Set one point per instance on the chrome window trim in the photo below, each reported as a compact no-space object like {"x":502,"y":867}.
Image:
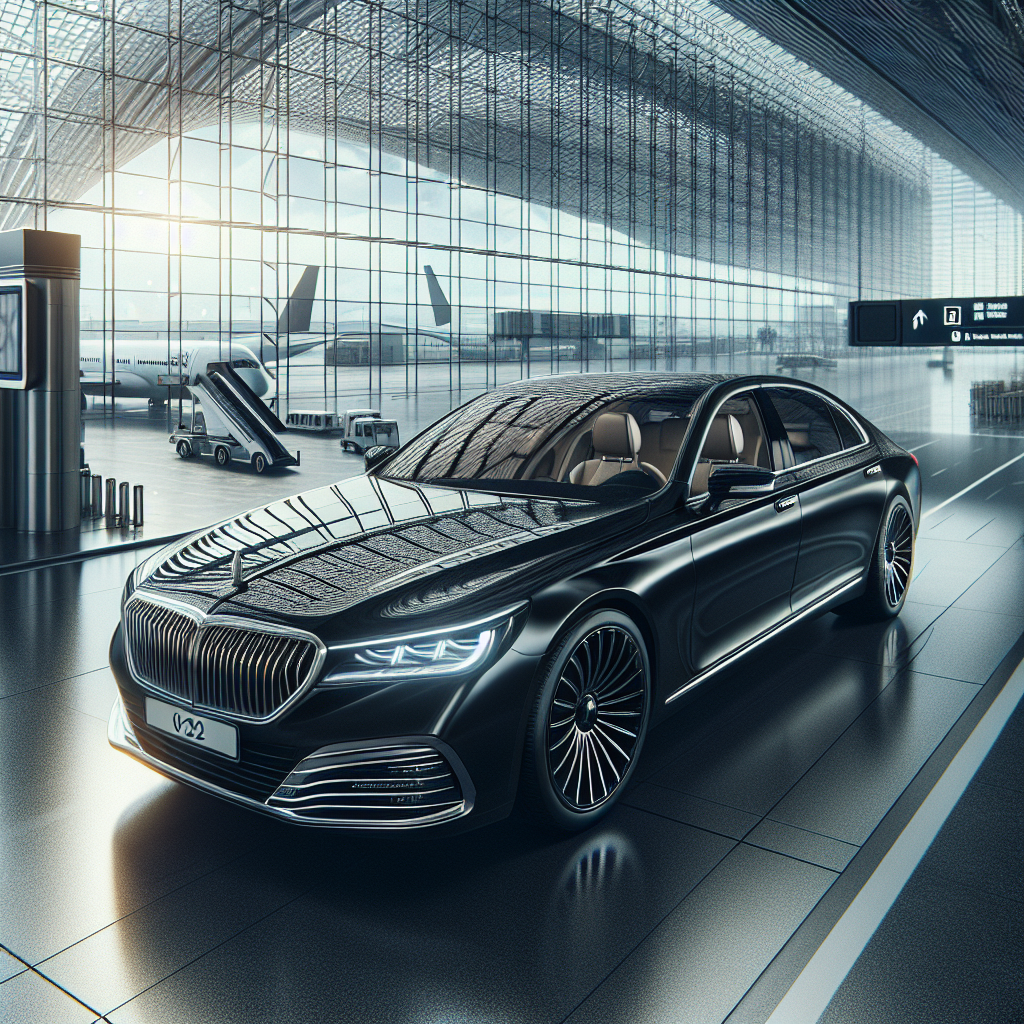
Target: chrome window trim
{"x":204,"y":621}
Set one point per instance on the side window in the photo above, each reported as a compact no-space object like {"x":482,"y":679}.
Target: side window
{"x":812,"y":433}
{"x":848,"y":433}
{"x":735,"y":435}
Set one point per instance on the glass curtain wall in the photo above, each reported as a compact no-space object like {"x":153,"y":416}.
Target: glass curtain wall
{"x":595,"y":186}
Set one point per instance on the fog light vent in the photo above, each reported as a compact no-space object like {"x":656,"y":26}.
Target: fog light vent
{"x":386,"y":787}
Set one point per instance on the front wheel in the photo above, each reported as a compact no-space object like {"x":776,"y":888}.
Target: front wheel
{"x":184,"y":450}
{"x":222,"y":455}
{"x":892,"y":564}
{"x":588,"y":721}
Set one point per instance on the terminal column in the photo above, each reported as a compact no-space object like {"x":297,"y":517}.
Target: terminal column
{"x":41,"y":423}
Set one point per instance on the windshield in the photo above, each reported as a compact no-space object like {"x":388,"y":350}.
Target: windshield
{"x":543,"y":440}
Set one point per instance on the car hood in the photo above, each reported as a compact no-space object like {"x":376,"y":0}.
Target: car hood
{"x":381,"y":554}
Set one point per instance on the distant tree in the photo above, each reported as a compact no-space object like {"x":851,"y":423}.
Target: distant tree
{"x":766,"y":336}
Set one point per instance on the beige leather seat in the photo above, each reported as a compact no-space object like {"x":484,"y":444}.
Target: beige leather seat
{"x":616,"y":443}
{"x":670,"y":440}
{"x":724,"y":443}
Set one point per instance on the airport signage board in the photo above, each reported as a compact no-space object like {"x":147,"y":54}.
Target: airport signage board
{"x":932,"y":323}
{"x":14,"y":349}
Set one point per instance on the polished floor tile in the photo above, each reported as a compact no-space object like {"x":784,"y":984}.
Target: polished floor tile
{"x":140,"y":949}
{"x":497,"y":927}
{"x":849,"y":789}
{"x":692,"y":969}
{"x":769,"y":747}
{"x":28,"y":998}
{"x":967,"y":644}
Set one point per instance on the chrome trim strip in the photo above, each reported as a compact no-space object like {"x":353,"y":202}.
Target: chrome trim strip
{"x":121,"y":737}
{"x":204,"y":621}
{"x":763,"y":637}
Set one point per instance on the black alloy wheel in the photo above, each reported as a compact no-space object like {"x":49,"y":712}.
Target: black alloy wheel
{"x":891,"y":567}
{"x":184,"y":449}
{"x":222,"y":455}
{"x":898,"y":553}
{"x":588,"y":722}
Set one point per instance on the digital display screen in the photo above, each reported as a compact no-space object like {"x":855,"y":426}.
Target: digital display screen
{"x":11,"y":314}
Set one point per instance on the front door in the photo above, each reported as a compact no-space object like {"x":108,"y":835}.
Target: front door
{"x":745,"y":554}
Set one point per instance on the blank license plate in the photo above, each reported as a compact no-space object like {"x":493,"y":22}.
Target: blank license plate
{"x":187,"y":725}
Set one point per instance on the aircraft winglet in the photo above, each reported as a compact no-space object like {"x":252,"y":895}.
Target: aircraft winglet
{"x":442,"y":309}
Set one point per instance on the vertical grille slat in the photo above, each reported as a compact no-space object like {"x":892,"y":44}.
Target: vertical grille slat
{"x":249,"y":673}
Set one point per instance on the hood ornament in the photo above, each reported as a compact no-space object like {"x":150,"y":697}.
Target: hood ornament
{"x":236,"y":573}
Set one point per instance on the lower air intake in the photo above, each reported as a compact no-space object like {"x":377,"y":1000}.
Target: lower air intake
{"x":387,"y":787}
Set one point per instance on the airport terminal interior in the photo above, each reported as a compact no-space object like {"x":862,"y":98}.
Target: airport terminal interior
{"x":321,"y":225}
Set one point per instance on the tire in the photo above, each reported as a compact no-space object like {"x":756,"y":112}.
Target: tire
{"x":184,"y":450}
{"x":892,"y":565}
{"x":576,"y":766}
{"x":259,"y":462}
{"x":222,"y":455}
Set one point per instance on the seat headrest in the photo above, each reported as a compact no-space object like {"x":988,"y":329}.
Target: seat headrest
{"x":724,"y":440}
{"x":616,"y":435}
{"x":672,"y":432}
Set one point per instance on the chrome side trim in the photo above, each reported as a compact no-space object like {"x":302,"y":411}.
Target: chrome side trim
{"x":121,"y":737}
{"x":764,"y":637}
{"x":205,"y":622}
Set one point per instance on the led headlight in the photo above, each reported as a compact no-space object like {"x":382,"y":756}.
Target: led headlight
{"x":442,"y":652}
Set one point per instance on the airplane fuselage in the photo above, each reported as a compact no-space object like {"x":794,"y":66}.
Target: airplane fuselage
{"x":143,"y":369}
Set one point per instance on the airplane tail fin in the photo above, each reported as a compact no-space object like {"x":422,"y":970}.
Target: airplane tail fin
{"x":442,"y":309}
{"x":298,"y":310}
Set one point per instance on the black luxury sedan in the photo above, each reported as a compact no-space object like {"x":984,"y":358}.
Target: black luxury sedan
{"x":503,"y":607}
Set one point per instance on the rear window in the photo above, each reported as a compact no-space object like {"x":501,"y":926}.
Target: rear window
{"x":808,"y":423}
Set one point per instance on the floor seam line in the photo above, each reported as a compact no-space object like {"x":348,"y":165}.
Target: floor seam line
{"x":217,"y":946}
{"x":652,"y":930}
{"x":139,"y":909}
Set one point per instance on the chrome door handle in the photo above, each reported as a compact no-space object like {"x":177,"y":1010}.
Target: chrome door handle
{"x":784,"y":503}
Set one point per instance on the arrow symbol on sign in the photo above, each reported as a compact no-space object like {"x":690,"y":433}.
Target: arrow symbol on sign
{"x":919,"y":318}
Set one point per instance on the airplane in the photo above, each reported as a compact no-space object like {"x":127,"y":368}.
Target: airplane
{"x":143,"y":368}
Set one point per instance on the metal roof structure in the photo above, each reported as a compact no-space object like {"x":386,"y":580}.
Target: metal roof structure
{"x":952,"y":74}
{"x":498,"y":96}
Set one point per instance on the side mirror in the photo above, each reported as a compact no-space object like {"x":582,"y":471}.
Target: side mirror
{"x":736,"y":480}
{"x":376,"y":455}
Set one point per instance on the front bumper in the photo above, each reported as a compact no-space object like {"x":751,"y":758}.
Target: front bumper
{"x":386,"y":784}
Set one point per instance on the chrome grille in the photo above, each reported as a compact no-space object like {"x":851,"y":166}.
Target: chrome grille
{"x":388,"y":786}
{"x":249,"y":673}
{"x":159,"y":641}
{"x":241,"y":670}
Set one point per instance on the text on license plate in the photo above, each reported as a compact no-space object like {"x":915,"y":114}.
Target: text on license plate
{"x":187,"y":725}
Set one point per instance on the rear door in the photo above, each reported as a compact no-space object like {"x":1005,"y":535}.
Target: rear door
{"x":840,"y":498}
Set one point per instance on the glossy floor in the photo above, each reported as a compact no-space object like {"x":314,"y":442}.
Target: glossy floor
{"x":127,"y":896}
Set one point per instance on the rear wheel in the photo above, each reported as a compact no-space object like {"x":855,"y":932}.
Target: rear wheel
{"x":259,"y":462}
{"x":184,"y":450}
{"x":892,"y":564}
{"x":222,"y":455}
{"x":588,"y":721}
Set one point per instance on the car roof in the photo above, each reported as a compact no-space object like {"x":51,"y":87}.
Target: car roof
{"x":588,"y":386}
